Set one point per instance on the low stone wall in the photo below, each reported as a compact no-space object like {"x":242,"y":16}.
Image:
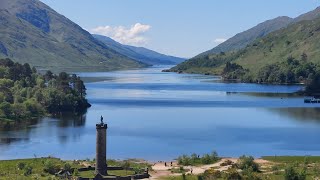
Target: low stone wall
{"x":137,"y":176}
{"x":110,"y":168}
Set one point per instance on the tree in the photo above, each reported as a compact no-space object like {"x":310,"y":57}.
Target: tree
{"x":48,"y":76}
{"x":314,"y":86}
{"x":304,"y":57}
{"x":6,"y":108}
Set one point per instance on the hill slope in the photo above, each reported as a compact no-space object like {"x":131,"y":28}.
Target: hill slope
{"x":242,"y":39}
{"x":308,"y":16}
{"x":31,"y":32}
{"x":298,"y":41}
{"x":139,"y":53}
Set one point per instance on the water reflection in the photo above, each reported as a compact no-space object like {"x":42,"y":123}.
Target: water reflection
{"x":311,"y":114}
{"x":71,"y":119}
{"x":22,"y":132}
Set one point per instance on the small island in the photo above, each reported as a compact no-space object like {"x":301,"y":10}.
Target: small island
{"x":26,"y":94}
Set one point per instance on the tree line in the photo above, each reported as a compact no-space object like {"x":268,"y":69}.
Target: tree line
{"x":291,"y":71}
{"x":25,"y":93}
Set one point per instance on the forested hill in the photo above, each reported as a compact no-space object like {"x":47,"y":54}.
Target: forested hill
{"x":25,"y":94}
{"x":31,"y":32}
{"x":299,"y":41}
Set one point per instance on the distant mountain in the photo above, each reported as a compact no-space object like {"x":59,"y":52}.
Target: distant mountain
{"x":308,"y":16}
{"x":242,"y":39}
{"x":139,"y":53}
{"x":299,"y":40}
{"x":32,"y":32}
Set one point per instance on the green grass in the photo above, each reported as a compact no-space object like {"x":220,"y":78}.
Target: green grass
{"x":9,"y":169}
{"x":292,"y":159}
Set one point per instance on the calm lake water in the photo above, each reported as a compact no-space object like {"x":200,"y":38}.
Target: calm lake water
{"x":159,"y":116}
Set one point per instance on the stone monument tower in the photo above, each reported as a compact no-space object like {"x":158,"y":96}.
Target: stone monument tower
{"x":101,"y":148}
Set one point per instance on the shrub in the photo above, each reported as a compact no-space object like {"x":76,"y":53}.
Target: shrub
{"x":195,"y":159}
{"x":75,"y":172}
{"x":184,"y":160}
{"x":226,"y":163}
{"x":50,"y":167}
{"x":27,"y":170}
{"x":249,"y":174}
{"x":21,"y":165}
{"x":212,"y":174}
{"x":246,"y":162}
{"x":67,"y":167}
{"x":232,"y":174}
{"x":316,"y":170}
{"x":275,"y":169}
{"x":291,"y":173}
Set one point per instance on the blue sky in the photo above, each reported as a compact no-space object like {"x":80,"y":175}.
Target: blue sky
{"x":182,"y":28}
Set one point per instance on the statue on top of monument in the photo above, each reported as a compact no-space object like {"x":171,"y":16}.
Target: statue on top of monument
{"x":101,"y":119}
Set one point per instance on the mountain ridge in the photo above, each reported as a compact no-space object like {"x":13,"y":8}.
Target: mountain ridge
{"x":244,"y":38}
{"x":32,"y":32}
{"x":139,"y":53}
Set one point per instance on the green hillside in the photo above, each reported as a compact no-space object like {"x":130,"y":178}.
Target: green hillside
{"x":299,"y":41}
{"x":241,"y":40}
{"x":31,"y":32}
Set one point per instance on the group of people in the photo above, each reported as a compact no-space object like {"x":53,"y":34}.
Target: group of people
{"x":171,"y":164}
{"x":165,"y":164}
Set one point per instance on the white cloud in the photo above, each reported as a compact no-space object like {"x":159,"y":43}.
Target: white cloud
{"x":135,"y":35}
{"x":219,"y":40}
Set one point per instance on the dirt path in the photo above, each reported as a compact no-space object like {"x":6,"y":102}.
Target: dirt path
{"x":160,"y":170}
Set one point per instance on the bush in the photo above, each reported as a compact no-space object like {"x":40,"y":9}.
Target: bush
{"x":184,"y":160}
{"x":226,"y":163}
{"x":75,"y":172}
{"x":50,"y":167}
{"x":195,"y":159}
{"x":21,"y":165}
{"x":67,"y":167}
{"x":212,"y":174}
{"x":291,"y":173}
{"x":232,"y":174}
{"x":316,"y":170}
{"x":27,"y":170}
{"x":249,"y":174}
{"x":275,"y":169}
{"x":246,"y":162}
